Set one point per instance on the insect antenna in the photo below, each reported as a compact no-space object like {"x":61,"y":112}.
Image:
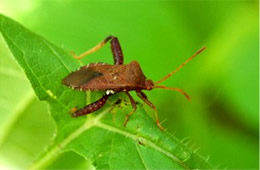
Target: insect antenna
{"x":176,"y":70}
{"x":182,"y":65}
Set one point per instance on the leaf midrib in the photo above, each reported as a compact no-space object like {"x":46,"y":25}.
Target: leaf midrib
{"x":95,"y":122}
{"x":143,"y":139}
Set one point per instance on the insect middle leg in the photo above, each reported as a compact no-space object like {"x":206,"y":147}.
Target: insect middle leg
{"x":91,"y":107}
{"x":115,"y":47}
{"x":134,"y":108}
{"x":145,"y":99}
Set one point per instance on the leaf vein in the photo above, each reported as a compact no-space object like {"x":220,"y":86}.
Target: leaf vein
{"x":146,"y":141}
{"x":55,"y":53}
{"x":139,"y":153}
{"x":30,"y":70}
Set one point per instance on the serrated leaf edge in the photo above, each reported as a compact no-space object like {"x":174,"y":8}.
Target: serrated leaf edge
{"x":51,"y":155}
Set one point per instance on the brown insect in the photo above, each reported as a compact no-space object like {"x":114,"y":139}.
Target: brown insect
{"x":116,"y":78}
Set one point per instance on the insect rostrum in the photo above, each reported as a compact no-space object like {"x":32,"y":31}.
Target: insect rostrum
{"x":116,"y":78}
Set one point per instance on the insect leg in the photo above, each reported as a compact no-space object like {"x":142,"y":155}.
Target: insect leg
{"x":91,"y":107}
{"x":133,"y":105}
{"x":94,"y":49}
{"x":117,"y":51}
{"x":145,"y":99}
{"x":115,"y":47}
{"x":174,"y":89}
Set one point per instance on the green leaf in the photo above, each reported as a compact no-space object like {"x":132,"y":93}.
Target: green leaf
{"x":11,"y":77}
{"x":100,"y":137}
{"x":20,"y":111}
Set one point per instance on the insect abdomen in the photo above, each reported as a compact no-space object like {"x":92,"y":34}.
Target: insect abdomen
{"x":91,"y":107}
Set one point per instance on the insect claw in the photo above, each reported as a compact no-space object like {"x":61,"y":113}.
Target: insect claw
{"x":73,"y":110}
{"x":159,"y":126}
{"x":74,"y":54}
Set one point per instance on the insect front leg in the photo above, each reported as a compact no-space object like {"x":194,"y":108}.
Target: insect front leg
{"x":115,"y":47}
{"x":134,"y":108}
{"x":145,"y":99}
{"x":91,"y":107}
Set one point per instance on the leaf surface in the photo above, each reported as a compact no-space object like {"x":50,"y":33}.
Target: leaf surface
{"x":22,"y":117}
{"x":100,"y":137}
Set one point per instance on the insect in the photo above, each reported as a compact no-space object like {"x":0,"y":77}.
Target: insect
{"x":116,"y":78}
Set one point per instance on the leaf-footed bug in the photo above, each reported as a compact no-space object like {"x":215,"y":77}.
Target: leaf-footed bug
{"x":117,"y":78}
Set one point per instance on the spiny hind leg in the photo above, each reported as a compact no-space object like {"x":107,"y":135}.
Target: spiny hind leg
{"x":91,"y":107}
{"x":115,"y":47}
{"x":145,"y":99}
{"x":134,"y":108}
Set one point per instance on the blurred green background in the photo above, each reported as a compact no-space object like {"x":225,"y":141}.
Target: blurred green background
{"x":223,"y":81}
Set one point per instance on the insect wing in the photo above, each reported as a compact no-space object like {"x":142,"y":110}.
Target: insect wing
{"x":80,"y":77}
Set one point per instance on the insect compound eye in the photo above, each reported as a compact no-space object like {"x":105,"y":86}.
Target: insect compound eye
{"x":108,"y":92}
